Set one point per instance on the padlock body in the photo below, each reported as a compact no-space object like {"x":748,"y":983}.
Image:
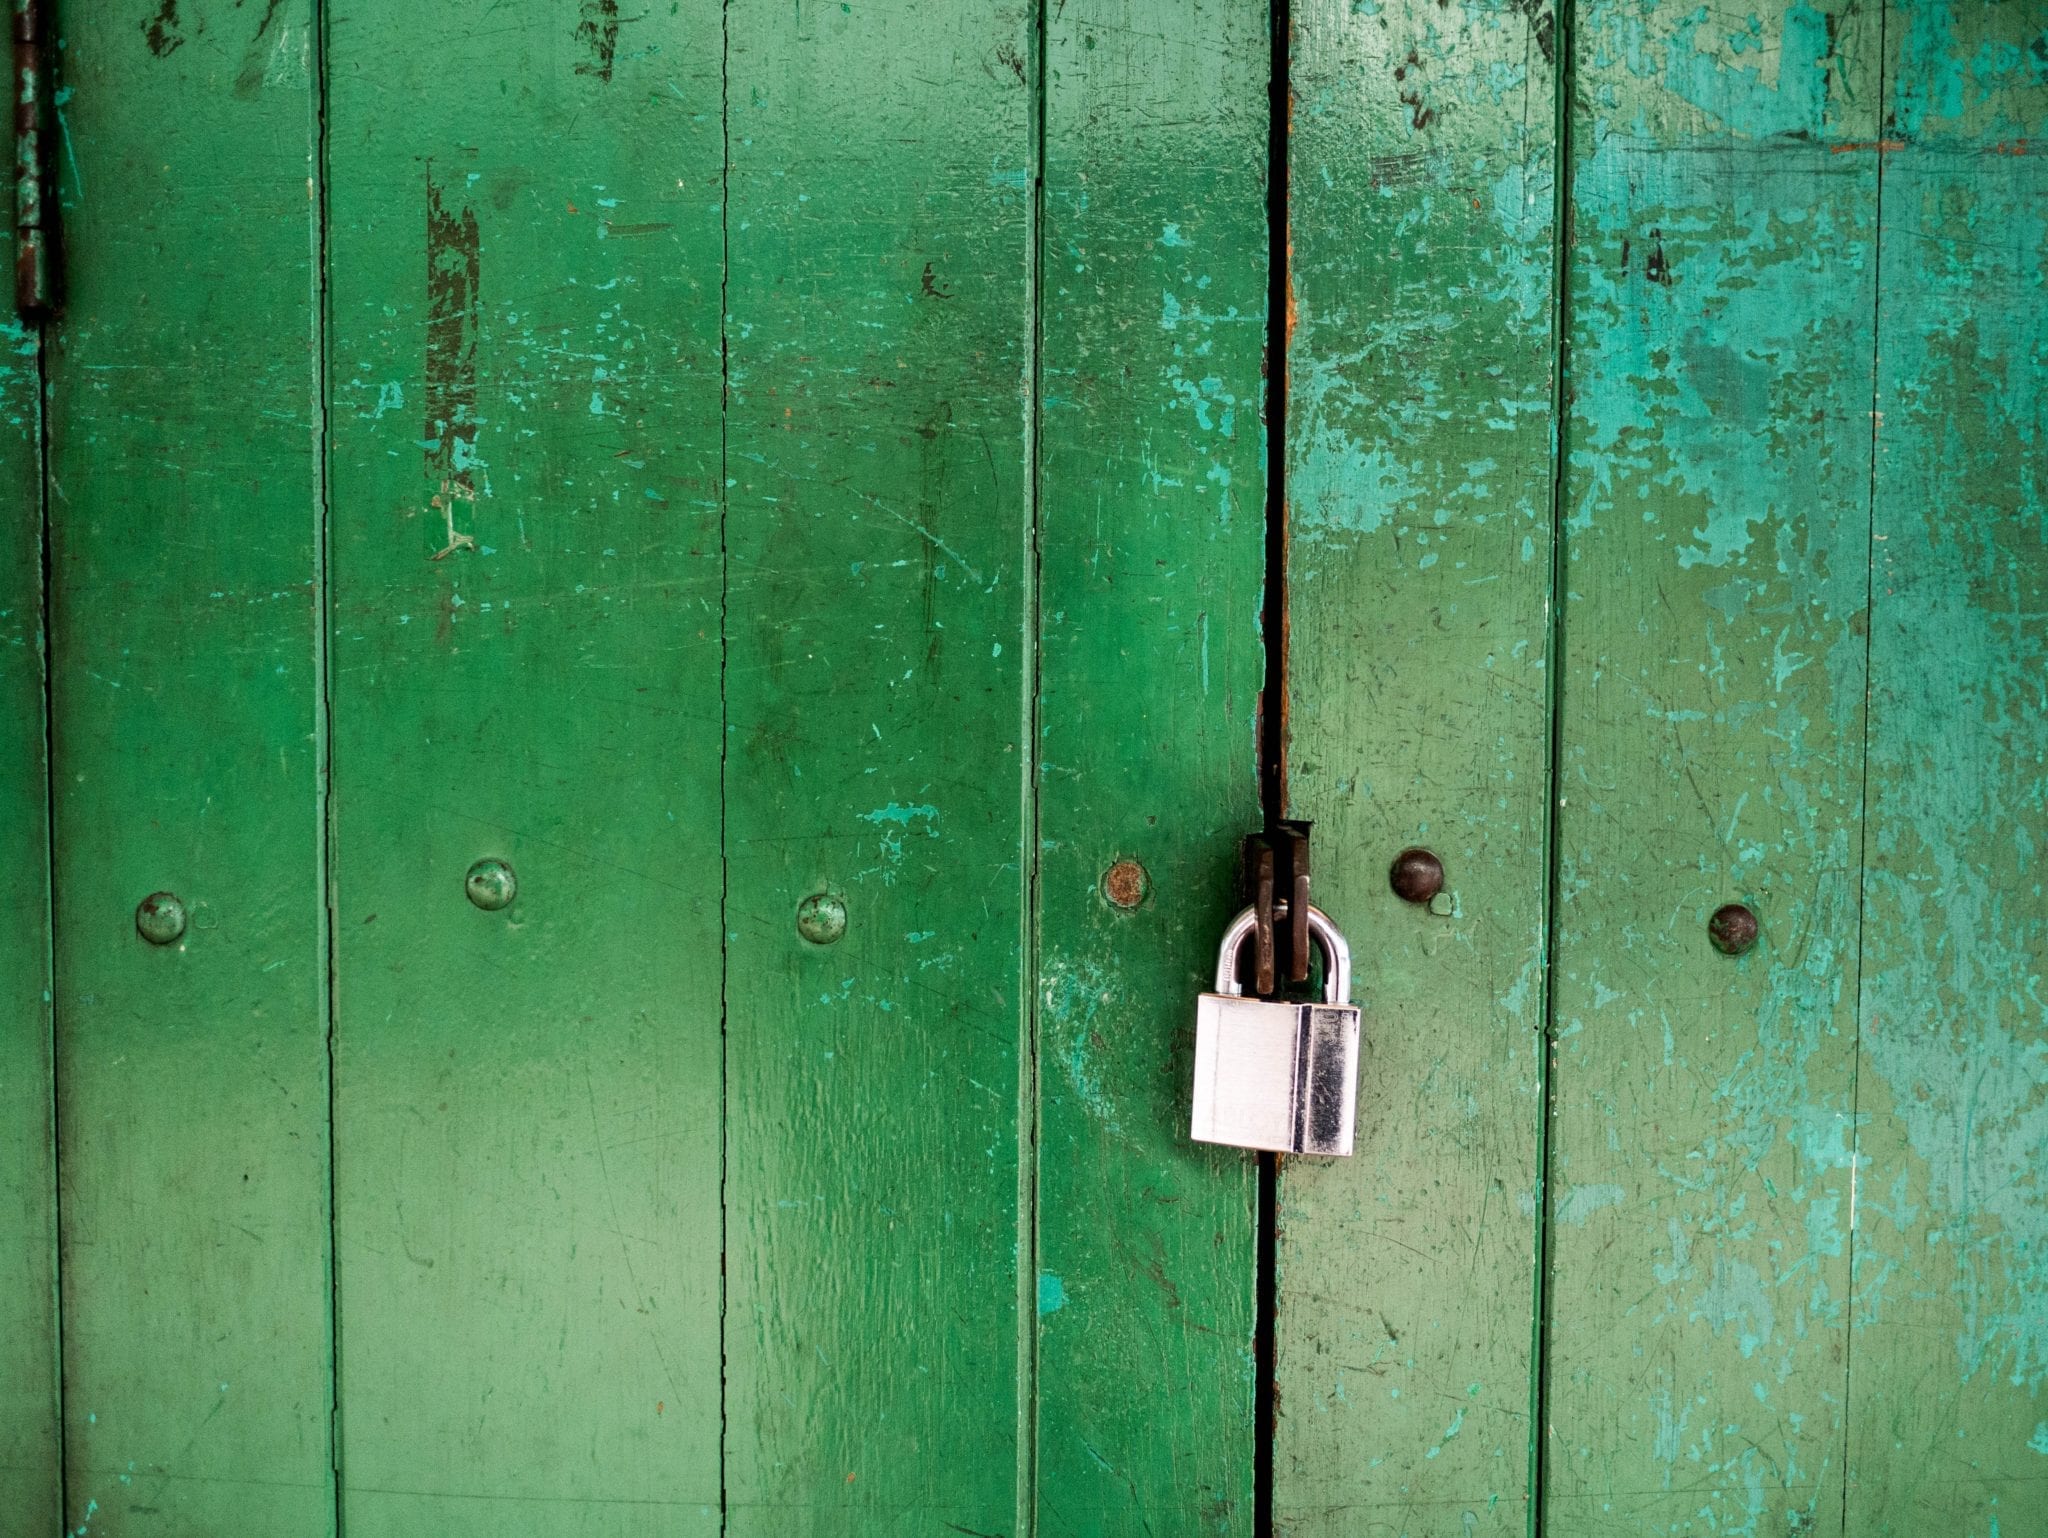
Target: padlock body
{"x":1275,"y":1076}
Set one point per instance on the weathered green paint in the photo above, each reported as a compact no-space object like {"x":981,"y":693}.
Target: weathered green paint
{"x":1716,"y":494}
{"x":791,"y":522}
{"x":1152,"y":494}
{"x":192,"y":1078}
{"x":524,"y":397}
{"x":1948,"y":1349}
{"x":878,"y":566}
{"x":1419,"y":403}
{"x":28,"y":1219}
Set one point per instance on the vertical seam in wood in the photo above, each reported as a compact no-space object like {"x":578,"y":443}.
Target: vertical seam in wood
{"x":1271,"y":766}
{"x":1033,"y":683}
{"x":1863,"y":766}
{"x":53,"y":1124}
{"x":1272,"y":747}
{"x":323,"y":749}
{"x":724,"y":723}
{"x":1560,"y":407}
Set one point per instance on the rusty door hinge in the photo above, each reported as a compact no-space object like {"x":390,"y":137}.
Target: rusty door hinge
{"x":35,"y":281}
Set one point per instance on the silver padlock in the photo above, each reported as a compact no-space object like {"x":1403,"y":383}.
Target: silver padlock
{"x":1278,"y":1076}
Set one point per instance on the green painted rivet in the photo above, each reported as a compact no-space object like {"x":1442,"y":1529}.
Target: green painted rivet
{"x":821,"y":918}
{"x":1733,"y":929}
{"x":1125,"y":884}
{"x":491,"y":885}
{"x":160,"y":918}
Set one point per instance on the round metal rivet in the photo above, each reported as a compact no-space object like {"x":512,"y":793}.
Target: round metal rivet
{"x":1125,"y":884}
{"x":160,"y":918}
{"x":1733,"y":929}
{"x":821,"y":918}
{"x":491,"y":885}
{"x":1416,"y":875}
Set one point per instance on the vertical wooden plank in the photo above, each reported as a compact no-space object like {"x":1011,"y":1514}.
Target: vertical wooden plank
{"x":29,"y":1463}
{"x":1421,"y":200}
{"x":1716,"y":514}
{"x":1152,"y":498}
{"x":183,"y":416}
{"x":526,"y":270}
{"x":878,"y":339}
{"x":1948,"y":1422}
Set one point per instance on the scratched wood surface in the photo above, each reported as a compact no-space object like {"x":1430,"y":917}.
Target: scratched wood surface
{"x":1419,"y":389}
{"x":1716,"y":491}
{"x":29,"y":1483}
{"x":183,"y":601}
{"x":1948,"y":1423}
{"x":877,"y":657}
{"x":524,"y":380}
{"x":1150,"y":659}
{"x":697,"y":545}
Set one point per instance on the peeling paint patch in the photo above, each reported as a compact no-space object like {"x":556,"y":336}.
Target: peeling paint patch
{"x":454,"y":319}
{"x":597,"y":29}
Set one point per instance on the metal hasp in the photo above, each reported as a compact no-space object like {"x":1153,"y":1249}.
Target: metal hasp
{"x":1275,"y":867}
{"x":35,"y":289}
{"x":1277,"y":1075}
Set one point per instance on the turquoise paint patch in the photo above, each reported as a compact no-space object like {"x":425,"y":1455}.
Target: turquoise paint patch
{"x":1929,"y":80}
{"x":901,"y":815}
{"x":1785,"y":92}
{"x":1736,"y":1298}
{"x":1073,"y":997}
{"x":1052,"y":1293}
{"x":1581,"y":1202}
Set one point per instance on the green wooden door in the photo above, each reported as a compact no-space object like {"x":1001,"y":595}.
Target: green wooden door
{"x":1663,"y":466}
{"x":593,"y":595}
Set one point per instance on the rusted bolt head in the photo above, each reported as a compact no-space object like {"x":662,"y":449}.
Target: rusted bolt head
{"x":821,"y":918}
{"x":1733,"y":929}
{"x":1125,"y":884}
{"x":1416,"y":875}
{"x":160,"y":918}
{"x":491,"y":885}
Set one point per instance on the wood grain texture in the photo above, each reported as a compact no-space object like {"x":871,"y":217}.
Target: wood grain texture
{"x":1948,"y":1422}
{"x":525,"y":385}
{"x":877,"y":654}
{"x":1717,"y":485}
{"x":1152,"y":495}
{"x":1419,"y":427}
{"x":30,"y":1500}
{"x":184,"y":520}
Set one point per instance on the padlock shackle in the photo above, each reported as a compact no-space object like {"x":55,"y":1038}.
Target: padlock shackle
{"x":1336,"y":955}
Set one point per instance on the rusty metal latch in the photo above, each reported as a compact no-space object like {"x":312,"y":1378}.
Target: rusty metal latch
{"x":1276,"y":889}
{"x":35,"y":284}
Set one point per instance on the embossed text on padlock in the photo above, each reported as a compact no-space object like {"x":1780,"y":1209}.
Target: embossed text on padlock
{"x":1278,"y":1076}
